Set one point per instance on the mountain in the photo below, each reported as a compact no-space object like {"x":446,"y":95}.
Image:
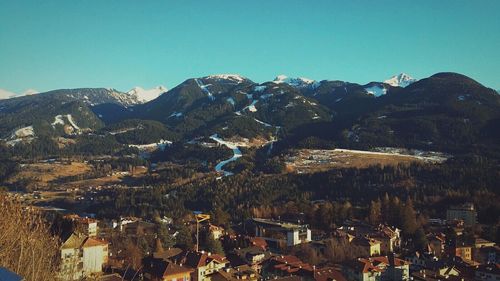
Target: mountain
{"x":401,"y":80}
{"x":70,"y":108}
{"x":231,"y":106}
{"x":142,"y":95}
{"x":447,"y":112}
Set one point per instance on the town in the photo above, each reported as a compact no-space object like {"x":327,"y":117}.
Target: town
{"x":196,"y":248}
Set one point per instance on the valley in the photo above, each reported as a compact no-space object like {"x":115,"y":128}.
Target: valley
{"x":326,"y":153}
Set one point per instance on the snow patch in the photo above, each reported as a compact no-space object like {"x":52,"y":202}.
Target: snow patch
{"x":175,"y":114}
{"x":204,"y":88}
{"x":376,"y":90}
{"x":72,"y":122}
{"x":232,"y":77}
{"x":259,"y":88}
{"x":299,"y":82}
{"x":231,"y":101}
{"x":236,"y":154}
{"x":143,"y":95}
{"x":58,"y":119}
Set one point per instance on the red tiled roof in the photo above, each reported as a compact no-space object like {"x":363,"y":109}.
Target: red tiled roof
{"x":199,"y":259}
{"x":91,"y":242}
{"x":328,"y":273}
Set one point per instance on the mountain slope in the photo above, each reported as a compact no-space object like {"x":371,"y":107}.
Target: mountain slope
{"x":142,"y":95}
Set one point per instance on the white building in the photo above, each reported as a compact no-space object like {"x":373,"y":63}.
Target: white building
{"x":281,"y":233}
{"x":82,"y":256}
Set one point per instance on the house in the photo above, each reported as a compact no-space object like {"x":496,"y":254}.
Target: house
{"x":429,"y":275}
{"x":286,"y":265}
{"x":487,"y":254}
{"x":203,"y":264}
{"x":7,"y":275}
{"x":281,"y":234}
{"x":465,"y":213}
{"x":437,"y":243}
{"x":243,"y":272}
{"x":157,"y":269}
{"x":426,"y":260}
{"x":87,"y":226}
{"x":216,"y":231}
{"x":366,"y":247}
{"x":488,"y":272}
{"x":463,"y":251}
{"x":480,"y":242}
{"x":389,"y":238}
{"x":377,"y":268}
{"x":283,"y":266}
{"x":328,"y":274}
{"x":82,"y":256}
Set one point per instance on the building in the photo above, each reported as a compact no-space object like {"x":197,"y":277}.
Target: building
{"x":488,"y":272}
{"x":203,"y":264}
{"x":366,"y":247}
{"x":243,"y":272}
{"x":429,"y":275}
{"x":216,"y":231}
{"x":328,"y":274}
{"x":487,"y":254}
{"x":465,"y":213}
{"x":87,"y":226}
{"x":82,"y":256}
{"x":462,"y":251}
{"x":377,"y":268}
{"x":157,"y":269}
{"x":281,"y":234}
{"x":389,"y":238}
{"x":437,"y":243}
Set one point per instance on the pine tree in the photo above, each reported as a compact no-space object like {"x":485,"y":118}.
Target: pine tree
{"x":408,"y":218}
{"x":214,"y":246}
{"x":375,"y":212}
{"x":184,"y":238}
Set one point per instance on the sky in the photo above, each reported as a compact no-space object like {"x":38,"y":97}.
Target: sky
{"x":48,"y":44}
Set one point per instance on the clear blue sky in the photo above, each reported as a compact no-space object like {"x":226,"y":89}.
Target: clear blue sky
{"x":123,"y":43}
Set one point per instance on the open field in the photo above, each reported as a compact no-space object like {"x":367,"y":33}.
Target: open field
{"x":314,"y":160}
{"x":43,"y":173}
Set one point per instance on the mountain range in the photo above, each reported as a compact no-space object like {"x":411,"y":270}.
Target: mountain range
{"x":446,"y":111}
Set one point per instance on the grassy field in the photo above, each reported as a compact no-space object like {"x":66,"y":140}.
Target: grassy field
{"x":43,"y":173}
{"x":315,"y":160}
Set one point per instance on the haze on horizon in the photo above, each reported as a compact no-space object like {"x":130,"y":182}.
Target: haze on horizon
{"x":121,"y":44}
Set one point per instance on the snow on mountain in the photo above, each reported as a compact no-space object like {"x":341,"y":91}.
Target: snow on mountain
{"x":143,"y":95}
{"x":232,"y":77}
{"x":4,"y":94}
{"x":376,"y":90}
{"x":30,"y":92}
{"x":294,"y":82}
{"x":402,"y":80}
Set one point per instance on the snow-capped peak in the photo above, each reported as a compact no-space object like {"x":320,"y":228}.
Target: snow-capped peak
{"x":4,"y":94}
{"x":402,"y":80}
{"x":294,"y":82}
{"x":233,"y":77}
{"x":143,"y":95}
{"x":30,"y":92}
